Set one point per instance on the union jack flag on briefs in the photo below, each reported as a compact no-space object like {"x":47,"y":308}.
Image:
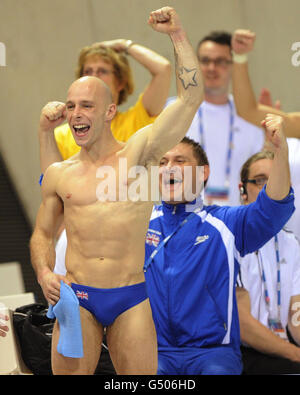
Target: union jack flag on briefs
{"x":82,"y":295}
{"x":152,"y":239}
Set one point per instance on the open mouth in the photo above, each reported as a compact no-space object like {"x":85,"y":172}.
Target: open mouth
{"x":173,"y":181}
{"x":171,"y":188}
{"x":81,"y":130}
{"x":169,"y":181}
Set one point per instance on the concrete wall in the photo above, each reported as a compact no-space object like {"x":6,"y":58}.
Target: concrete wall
{"x":43,"y":38}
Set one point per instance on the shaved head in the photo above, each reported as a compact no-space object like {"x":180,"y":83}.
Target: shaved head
{"x":90,"y":110}
{"x":92,"y":85}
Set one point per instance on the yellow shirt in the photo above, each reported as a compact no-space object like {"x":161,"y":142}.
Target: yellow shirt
{"x":123,"y":126}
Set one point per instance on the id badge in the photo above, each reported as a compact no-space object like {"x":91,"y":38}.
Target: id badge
{"x":216,"y":195}
{"x":277,"y":328}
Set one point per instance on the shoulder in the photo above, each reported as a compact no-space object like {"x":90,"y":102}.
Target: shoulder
{"x":54,"y":170}
{"x":54,"y":173}
{"x":228,"y":220}
{"x":223,"y":212}
{"x":218,"y":216}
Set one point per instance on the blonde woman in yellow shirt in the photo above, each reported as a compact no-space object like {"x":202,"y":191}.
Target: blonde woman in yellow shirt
{"x":108,"y":61}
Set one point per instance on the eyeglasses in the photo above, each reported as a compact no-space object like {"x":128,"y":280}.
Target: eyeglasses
{"x":259,"y":181}
{"x":218,"y":62}
{"x":99,"y":72}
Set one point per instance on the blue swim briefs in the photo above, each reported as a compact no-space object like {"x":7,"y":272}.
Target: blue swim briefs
{"x":106,"y":304}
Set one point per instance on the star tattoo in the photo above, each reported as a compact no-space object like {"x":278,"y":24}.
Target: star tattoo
{"x":187,"y":77}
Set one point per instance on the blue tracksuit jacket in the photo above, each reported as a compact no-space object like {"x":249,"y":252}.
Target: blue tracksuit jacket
{"x":191,"y":280}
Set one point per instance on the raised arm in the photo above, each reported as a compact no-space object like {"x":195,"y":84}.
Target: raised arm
{"x":172,"y":124}
{"x":256,"y":223}
{"x":279,"y":182}
{"x":42,"y":246}
{"x":157,"y":91}
{"x":53,"y":115}
{"x":245,"y":100}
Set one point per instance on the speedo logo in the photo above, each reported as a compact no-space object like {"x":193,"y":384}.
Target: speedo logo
{"x":201,"y":239}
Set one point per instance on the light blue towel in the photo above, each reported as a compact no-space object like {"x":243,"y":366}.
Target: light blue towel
{"x":67,"y":313}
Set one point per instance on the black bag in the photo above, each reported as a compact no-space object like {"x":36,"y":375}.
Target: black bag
{"x":34,"y":331}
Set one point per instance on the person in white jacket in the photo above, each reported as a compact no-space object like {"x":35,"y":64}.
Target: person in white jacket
{"x":269,"y":290}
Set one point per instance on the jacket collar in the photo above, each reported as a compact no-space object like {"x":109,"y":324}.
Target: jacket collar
{"x":182,"y":209}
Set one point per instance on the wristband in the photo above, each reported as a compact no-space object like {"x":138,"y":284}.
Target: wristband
{"x":129,"y":43}
{"x":239,"y":58}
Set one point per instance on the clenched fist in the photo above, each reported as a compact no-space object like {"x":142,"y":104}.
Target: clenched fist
{"x":273,"y":125}
{"x":52,"y":115}
{"x":165,"y":20}
{"x":242,"y":41}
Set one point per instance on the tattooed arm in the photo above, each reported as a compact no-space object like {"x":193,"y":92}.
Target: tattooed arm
{"x":172,"y":124}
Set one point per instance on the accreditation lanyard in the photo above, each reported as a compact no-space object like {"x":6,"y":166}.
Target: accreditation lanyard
{"x":166,"y":239}
{"x":278,"y":281}
{"x":230,"y":142}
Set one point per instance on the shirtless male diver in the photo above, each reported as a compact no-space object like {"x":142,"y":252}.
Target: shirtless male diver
{"x":106,"y":240}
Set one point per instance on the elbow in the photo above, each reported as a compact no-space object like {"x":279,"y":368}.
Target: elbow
{"x":165,"y":71}
{"x":163,"y":68}
{"x":166,"y":66}
{"x":40,"y":237}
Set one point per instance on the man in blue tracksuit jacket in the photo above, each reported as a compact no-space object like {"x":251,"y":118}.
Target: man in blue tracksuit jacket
{"x":192,"y":261}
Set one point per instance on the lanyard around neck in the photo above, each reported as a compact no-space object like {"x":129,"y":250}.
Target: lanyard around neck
{"x":230,"y":142}
{"x":278,"y":280}
{"x":166,"y":239}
